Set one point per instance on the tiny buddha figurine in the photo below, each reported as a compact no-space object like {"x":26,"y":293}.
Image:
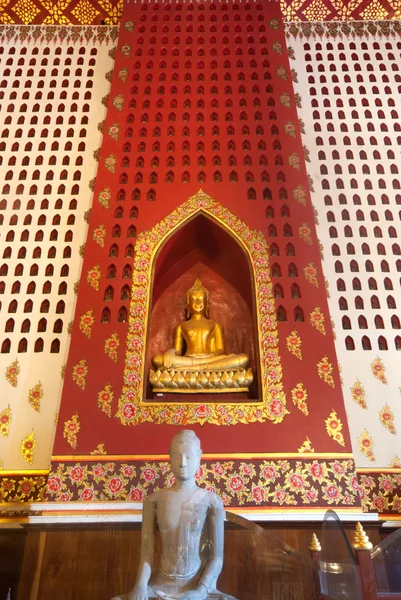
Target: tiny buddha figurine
{"x":182,"y":513}
{"x":197,"y":362}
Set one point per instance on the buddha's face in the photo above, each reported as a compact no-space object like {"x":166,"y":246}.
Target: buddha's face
{"x":197,"y":303}
{"x":185,"y":460}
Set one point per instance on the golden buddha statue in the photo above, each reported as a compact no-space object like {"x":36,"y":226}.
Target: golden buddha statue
{"x":198,"y":361}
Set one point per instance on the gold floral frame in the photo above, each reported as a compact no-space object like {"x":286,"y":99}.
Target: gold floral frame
{"x":132,"y":409}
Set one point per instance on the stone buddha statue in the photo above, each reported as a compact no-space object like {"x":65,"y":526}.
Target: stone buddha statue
{"x":197,"y":359}
{"x":184,"y":513}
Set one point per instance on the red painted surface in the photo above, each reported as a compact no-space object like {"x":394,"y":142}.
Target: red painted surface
{"x":224,"y":274}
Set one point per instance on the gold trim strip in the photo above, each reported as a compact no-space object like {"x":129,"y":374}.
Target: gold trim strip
{"x":301,"y":509}
{"x":378,"y":470}
{"x":239,"y":456}
{"x":24,"y":473}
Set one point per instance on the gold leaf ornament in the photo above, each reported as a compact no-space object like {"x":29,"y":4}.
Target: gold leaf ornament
{"x":358,"y":394}
{"x":105,"y":399}
{"x":71,"y":429}
{"x":28,"y":446}
{"x":35,"y":396}
{"x":79,"y":373}
{"x":12,"y":373}
{"x":5,"y":421}
{"x":294,"y":344}
{"x":378,"y":370}
{"x":365,"y":443}
{"x":334,"y":427}
{"x":111,"y":346}
{"x":299,"y":397}
{"x":86,"y":322}
{"x":386,"y":417}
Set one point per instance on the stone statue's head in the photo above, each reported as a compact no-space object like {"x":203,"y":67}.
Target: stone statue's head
{"x":185,"y":454}
{"x":197,"y":300}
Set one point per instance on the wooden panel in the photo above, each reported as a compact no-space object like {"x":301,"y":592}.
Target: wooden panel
{"x":12,"y":543}
{"x":100,"y":562}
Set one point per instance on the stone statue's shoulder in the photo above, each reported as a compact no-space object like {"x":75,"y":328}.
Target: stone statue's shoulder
{"x":155,"y":497}
{"x":215,"y":501}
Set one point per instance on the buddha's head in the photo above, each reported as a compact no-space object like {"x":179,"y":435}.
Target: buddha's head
{"x":185,"y":454}
{"x":197,"y":300}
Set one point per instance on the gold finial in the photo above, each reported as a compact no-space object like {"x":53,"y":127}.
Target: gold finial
{"x":361,"y":540}
{"x":314,"y":544}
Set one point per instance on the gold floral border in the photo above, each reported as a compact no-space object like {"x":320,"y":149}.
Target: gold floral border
{"x":132,"y":409}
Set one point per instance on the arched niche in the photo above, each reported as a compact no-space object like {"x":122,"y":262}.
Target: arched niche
{"x":203,"y":247}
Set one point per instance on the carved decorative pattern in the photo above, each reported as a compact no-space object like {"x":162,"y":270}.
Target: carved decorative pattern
{"x":325,"y":370}
{"x":5,"y":421}
{"x":358,"y":394}
{"x":111,"y":346}
{"x":365,"y":442}
{"x":79,"y":373}
{"x":12,"y":373}
{"x":71,"y":430}
{"x":132,"y":410}
{"x":317,"y":320}
{"x":28,"y":446}
{"x":294,"y":344}
{"x":35,"y":395}
{"x":86,"y":323}
{"x":334,"y":427}
{"x":105,"y":399}
{"x":271,"y":483}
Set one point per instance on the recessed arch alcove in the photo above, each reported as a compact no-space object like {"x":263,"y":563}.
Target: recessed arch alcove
{"x":203,"y":247}
{"x":235,"y":258}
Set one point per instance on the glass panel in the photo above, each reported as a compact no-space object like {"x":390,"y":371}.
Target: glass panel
{"x":265,"y":568}
{"x":338,"y":568}
{"x":386,"y":558}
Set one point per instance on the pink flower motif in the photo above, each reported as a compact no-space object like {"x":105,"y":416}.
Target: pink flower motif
{"x":54,"y":484}
{"x":280,"y":496}
{"x":316,"y":470}
{"x":128,"y":411}
{"x":257,"y":246}
{"x":354,"y":483}
{"x":236,"y":484}
{"x":144,"y":247}
{"x":311,"y":495}
{"x":64,"y":497}
{"x":296,"y":481}
{"x":202,"y":411}
{"x":397,"y":505}
{"x":149,"y":474}
{"x":77,"y":473}
{"x":128,"y":471}
{"x":98,"y":471}
{"x":332,"y":491}
{"x":276,"y":407}
{"x":210,"y":488}
{"x":338,"y":468}
{"x":87,"y":494}
{"x":136,"y":495}
{"x":115,"y":485}
{"x":247,"y":469}
{"x":387,"y":485}
{"x":200,"y":473}
{"x":379,"y":503}
{"x":258,"y":494}
{"x":218,"y":469}
{"x":269,"y":472}
{"x":170,"y":480}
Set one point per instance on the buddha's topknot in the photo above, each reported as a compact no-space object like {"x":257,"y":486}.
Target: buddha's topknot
{"x":188,"y":436}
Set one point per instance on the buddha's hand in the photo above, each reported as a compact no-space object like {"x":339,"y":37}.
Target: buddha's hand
{"x":168,"y":358}
{"x":139,"y":593}
{"x":199,"y":593}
